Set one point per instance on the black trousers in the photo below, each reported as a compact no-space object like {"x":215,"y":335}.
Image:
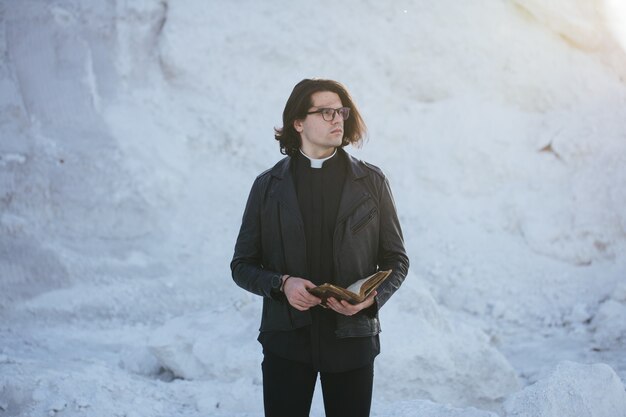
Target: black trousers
{"x":288,"y":389}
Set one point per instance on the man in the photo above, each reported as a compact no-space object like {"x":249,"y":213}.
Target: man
{"x":319,"y":215}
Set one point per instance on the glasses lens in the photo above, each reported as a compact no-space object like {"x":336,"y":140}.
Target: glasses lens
{"x":328,"y":114}
{"x":344,"y":112}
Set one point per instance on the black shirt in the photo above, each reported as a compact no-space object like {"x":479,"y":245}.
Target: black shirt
{"x":319,"y":193}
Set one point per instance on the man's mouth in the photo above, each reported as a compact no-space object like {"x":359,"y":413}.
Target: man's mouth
{"x":337,"y":130}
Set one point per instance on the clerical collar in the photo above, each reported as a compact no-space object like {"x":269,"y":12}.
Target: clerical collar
{"x":317,"y":163}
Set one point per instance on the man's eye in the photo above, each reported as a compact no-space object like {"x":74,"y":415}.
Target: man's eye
{"x":328,"y":112}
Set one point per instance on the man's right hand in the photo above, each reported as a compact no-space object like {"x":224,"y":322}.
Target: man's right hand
{"x":295,"y":290}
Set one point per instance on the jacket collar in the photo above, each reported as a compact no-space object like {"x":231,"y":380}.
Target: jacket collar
{"x":355,"y":167}
{"x":353,"y":191}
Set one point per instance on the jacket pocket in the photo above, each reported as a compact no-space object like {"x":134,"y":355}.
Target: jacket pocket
{"x":357,"y":326}
{"x":361,"y":223}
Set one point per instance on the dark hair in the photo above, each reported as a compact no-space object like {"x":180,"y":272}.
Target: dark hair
{"x":299,"y":103}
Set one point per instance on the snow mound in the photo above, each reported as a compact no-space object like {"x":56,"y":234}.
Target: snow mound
{"x":21,"y":277}
{"x":573,"y":389}
{"x":588,"y":25}
{"x":132,"y":130}
{"x":434,"y":357}
{"x":609,"y":323}
{"x":97,"y":390}
{"x":216,"y":345}
{"x":428,"y":354}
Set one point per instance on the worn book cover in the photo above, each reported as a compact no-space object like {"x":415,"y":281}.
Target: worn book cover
{"x":355,"y":293}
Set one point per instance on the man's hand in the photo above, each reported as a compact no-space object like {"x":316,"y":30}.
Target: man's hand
{"x":295,"y":290}
{"x":347,"y":309}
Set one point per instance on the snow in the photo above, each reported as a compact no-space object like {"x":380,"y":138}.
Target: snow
{"x":131,"y":131}
{"x":572,"y":389}
{"x":605,"y":323}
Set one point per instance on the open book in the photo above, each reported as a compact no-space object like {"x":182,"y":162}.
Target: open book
{"x":355,"y":293}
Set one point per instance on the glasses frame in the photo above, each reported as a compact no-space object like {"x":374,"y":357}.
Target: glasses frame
{"x":335,"y":112}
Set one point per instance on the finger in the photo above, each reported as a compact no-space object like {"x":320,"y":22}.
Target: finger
{"x":341,"y":304}
{"x":372,"y":296}
{"x":350,"y":308}
{"x":308,"y":284}
{"x":301,"y":307}
{"x":339,"y":308}
{"x":306,"y":302}
{"x":310,"y":298}
{"x":332,"y":303}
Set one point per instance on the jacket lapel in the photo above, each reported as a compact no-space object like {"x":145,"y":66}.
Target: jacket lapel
{"x":353,"y":191}
{"x":291,"y":225}
{"x":352,"y":195}
{"x":285,"y":191}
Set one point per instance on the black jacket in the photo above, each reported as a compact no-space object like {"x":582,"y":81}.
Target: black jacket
{"x":271,"y":240}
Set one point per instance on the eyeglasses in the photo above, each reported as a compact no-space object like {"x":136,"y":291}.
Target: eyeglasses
{"x":328,"y":114}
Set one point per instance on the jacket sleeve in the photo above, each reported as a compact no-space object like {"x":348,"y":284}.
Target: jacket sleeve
{"x":246,"y":265}
{"x":391,"y":253}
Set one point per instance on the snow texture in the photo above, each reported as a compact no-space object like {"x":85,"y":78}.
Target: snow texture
{"x":572,"y":390}
{"x":131,"y":131}
{"x":610,"y":314}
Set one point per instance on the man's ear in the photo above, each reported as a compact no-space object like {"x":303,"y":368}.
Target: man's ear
{"x":297,"y":124}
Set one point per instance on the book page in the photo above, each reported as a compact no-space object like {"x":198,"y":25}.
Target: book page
{"x":356,"y":287}
{"x":365,"y":286}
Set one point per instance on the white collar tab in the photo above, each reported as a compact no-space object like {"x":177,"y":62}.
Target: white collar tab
{"x":317,"y":163}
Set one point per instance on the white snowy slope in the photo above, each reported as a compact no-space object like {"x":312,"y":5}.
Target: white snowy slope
{"x":131,"y":131}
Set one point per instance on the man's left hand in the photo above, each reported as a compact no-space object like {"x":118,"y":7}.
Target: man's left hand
{"x":347,"y":309}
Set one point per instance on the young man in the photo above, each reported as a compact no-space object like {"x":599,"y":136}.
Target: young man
{"x":319,"y":215}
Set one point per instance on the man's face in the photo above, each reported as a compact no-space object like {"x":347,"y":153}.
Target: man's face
{"x":321,"y":137}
